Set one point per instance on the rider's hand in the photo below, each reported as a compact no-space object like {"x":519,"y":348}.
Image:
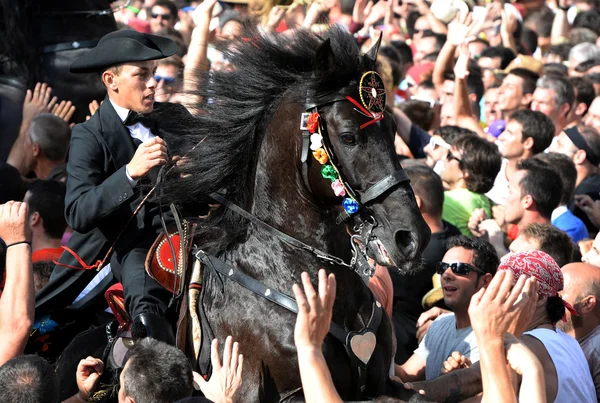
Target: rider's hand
{"x":88,"y":376}
{"x":225,"y":379}
{"x":13,"y":222}
{"x":148,"y":155}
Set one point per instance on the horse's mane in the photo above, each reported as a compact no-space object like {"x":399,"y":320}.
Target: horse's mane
{"x":238,"y":107}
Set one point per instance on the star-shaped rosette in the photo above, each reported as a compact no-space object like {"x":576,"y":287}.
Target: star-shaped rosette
{"x":372,"y":92}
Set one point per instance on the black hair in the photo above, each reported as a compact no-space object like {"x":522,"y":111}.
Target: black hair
{"x":47,"y":197}
{"x":588,"y":64}
{"x":485,"y":257}
{"x":481,"y":160}
{"x":529,"y":79}
{"x":591,"y":137}
{"x":556,"y":243}
{"x":542,"y":183}
{"x":411,"y":19}
{"x":588,"y":19}
{"x":167,"y":4}
{"x":474,"y":80}
{"x":561,"y":50}
{"x":506,"y":55}
{"x":450,"y":134}
{"x":584,"y":91}
{"x":565,"y":168}
{"x":543,"y":20}
{"x":529,"y":41}
{"x":428,"y":186}
{"x":404,"y":51}
{"x":419,"y":112}
{"x":12,"y":186}
{"x":392,"y":56}
{"x":28,"y":379}
{"x":440,"y":39}
{"x":555,"y":309}
{"x":427,"y":84}
{"x":536,"y":125}
{"x":157,"y":372}
{"x":556,"y":70}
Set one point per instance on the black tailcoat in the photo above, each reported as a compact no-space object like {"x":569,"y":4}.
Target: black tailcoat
{"x":98,"y":203}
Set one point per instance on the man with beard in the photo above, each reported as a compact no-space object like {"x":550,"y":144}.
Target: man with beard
{"x":582,"y":290}
{"x":468,"y":265}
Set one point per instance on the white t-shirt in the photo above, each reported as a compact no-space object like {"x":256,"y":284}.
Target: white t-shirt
{"x":499,"y":191}
{"x":441,"y":340}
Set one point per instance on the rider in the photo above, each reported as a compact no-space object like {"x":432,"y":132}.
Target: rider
{"x":112,"y":158}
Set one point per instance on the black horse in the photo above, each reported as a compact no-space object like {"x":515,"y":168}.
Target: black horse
{"x":38,"y":42}
{"x":252,"y":155}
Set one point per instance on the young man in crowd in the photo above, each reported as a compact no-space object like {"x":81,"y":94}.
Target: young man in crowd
{"x":582,"y":291}
{"x":471,"y":167}
{"x":527,"y":133}
{"x":584,"y":96}
{"x":562,"y":217}
{"x":554,"y":97}
{"x":516,"y":91}
{"x":582,"y":145}
{"x":409,"y":289}
{"x":534,"y":192}
{"x":163,"y":14}
{"x":468,"y":265}
{"x":46,"y":201}
{"x":570,"y":380}
{"x":547,"y":238}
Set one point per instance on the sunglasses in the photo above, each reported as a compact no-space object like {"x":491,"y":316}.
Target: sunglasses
{"x":461,"y":269}
{"x":451,"y":157}
{"x":435,"y":142}
{"x":167,"y":80}
{"x":163,"y":16}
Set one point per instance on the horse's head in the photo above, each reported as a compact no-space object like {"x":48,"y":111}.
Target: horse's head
{"x":358,"y":138}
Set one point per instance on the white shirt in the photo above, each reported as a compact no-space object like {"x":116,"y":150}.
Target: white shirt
{"x":499,"y":191}
{"x":557,"y":212}
{"x":137,"y":131}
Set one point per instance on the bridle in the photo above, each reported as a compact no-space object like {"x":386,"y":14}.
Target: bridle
{"x":315,"y":136}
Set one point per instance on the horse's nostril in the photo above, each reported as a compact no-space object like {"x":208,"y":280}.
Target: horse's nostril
{"x":408,"y":243}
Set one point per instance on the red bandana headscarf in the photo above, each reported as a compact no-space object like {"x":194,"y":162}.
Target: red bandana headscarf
{"x":541,"y":266}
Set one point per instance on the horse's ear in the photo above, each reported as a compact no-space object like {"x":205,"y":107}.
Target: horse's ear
{"x":374,"y":51}
{"x":324,"y":58}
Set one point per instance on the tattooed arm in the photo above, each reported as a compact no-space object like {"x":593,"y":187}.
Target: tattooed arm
{"x":453,"y":387}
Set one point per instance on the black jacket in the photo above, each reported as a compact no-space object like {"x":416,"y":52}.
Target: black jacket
{"x":99,"y":201}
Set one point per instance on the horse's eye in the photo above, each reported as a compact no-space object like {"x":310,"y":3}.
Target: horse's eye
{"x":349,"y":139}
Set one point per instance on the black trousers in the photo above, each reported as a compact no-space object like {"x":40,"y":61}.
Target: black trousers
{"x":142,"y":293}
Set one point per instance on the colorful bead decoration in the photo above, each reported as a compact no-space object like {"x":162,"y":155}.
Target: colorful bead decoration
{"x":321,"y":156}
{"x":328,"y":171}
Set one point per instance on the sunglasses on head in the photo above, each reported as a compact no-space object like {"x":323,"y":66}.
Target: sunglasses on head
{"x":461,"y":269}
{"x":435,"y":142}
{"x":163,"y":16}
{"x":167,"y":80}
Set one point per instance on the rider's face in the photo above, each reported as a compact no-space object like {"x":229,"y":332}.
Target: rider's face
{"x":133,"y":87}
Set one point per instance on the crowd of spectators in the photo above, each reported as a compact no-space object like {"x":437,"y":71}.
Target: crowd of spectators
{"x":497,"y":106}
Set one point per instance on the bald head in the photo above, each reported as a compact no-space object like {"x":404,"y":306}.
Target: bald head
{"x":582,"y":291}
{"x":582,"y":278}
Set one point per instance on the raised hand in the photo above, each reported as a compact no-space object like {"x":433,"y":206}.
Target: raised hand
{"x":590,"y":207}
{"x":461,"y":29}
{"x":37,"y":101}
{"x":64,"y":110}
{"x":148,"y":155}
{"x":226,"y":378}
{"x":88,"y":375}
{"x":461,"y":68}
{"x":93,"y":107}
{"x":502,"y":307}
{"x":314,"y":310}
{"x":361,"y":9}
{"x":13,"y":222}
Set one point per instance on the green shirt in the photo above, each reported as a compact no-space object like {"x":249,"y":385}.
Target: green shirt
{"x":459,"y":204}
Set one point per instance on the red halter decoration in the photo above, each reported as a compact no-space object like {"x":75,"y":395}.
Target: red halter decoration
{"x":376,"y":116}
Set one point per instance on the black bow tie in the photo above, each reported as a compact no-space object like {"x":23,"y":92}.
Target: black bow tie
{"x":133,"y":118}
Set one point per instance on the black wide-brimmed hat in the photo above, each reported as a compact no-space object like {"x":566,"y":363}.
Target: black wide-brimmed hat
{"x":122,"y":47}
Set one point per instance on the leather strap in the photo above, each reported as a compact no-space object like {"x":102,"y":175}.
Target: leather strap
{"x":59,"y":47}
{"x":323,"y":256}
{"x":383,"y":185}
{"x":260,"y":289}
{"x":304,"y":158}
